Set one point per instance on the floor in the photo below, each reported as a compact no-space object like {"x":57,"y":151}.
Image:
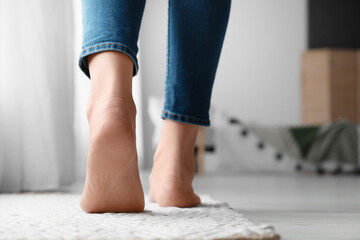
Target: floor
{"x":299,"y":206}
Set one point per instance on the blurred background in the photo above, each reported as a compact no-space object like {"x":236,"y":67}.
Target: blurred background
{"x":285,"y":66}
{"x":283,"y":142}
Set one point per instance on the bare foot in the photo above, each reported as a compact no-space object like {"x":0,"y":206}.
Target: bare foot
{"x":174,"y":166}
{"x":112,"y":177}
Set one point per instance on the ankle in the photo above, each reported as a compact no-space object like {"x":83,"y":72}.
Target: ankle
{"x":117,"y":108}
{"x":168,"y":154}
{"x":108,"y":103}
{"x":177,"y":141}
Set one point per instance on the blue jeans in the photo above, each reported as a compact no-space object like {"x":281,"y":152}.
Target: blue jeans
{"x":196,"y":30}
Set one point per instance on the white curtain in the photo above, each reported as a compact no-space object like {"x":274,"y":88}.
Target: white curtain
{"x":36,"y":95}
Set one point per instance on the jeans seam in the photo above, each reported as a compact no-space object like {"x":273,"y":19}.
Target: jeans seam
{"x":191,"y":118}
{"x":108,"y":43}
{"x":168,"y":49}
{"x":120,"y":47}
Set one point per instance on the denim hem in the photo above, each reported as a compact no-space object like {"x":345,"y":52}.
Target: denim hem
{"x":184,"y":118}
{"x":106,"y":46}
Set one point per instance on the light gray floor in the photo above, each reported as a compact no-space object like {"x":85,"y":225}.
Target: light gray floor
{"x":300,"y":206}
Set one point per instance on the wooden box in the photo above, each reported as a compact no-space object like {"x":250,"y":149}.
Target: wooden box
{"x":357,"y":85}
{"x":328,"y":85}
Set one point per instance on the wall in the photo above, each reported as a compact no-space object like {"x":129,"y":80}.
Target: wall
{"x":152,"y":51}
{"x":259,"y":70}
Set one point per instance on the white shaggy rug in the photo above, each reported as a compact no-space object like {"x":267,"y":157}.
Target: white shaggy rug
{"x":58,"y":216}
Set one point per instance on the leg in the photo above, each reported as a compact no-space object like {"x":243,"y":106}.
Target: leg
{"x":195,"y":36}
{"x":174,"y":166}
{"x":112,"y":177}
